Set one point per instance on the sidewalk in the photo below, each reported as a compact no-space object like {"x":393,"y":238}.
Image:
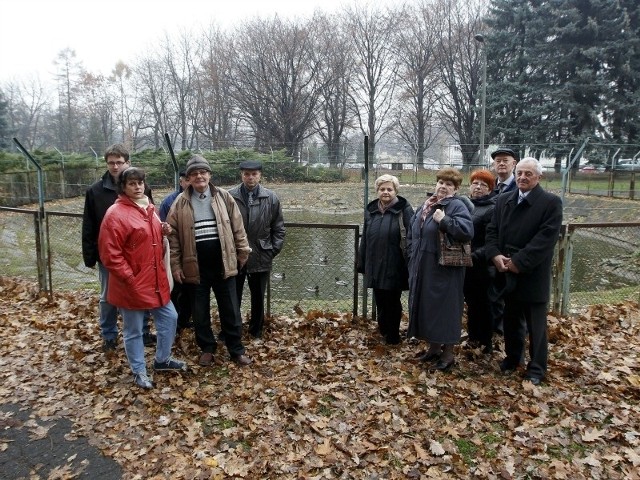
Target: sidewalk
{"x":32,"y":448}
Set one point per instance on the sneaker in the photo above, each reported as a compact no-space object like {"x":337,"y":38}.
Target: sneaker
{"x":149,"y":339}
{"x":109,"y":345}
{"x":142,"y":381}
{"x":170,"y":365}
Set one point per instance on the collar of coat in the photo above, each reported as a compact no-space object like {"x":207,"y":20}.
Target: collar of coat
{"x":212,"y":190}
{"x":372,"y":207}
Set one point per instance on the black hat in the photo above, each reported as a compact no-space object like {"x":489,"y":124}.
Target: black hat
{"x":182,"y":173}
{"x":197,"y":162}
{"x":250,"y":165}
{"x":504,"y":150}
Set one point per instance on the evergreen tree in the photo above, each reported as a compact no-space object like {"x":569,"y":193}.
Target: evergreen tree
{"x":560,"y":71}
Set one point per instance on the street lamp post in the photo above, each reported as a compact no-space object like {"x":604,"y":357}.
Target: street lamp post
{"x":480,"y":39}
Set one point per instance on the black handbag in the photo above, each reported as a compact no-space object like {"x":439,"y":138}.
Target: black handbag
{"x":454,"y":254}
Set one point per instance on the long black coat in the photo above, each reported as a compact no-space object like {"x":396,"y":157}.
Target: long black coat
{"x":435,"y":292}
{"x":527,"y":232}
{"x":380,"y":257}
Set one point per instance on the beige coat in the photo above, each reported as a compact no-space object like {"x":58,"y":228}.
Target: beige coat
{"x":233,"y":238}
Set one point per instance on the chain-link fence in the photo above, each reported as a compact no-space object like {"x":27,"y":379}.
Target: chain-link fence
{"x":596,"y":263}
{"x":21,"y":188}
{"x":600,"y":265}
{"x":314,"y":271}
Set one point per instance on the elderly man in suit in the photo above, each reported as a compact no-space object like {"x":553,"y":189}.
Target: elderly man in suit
{"x":504,"y":162}
{"x":520,"y":242}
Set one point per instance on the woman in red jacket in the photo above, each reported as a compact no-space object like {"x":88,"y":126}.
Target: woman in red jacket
{"x":131,"y":248}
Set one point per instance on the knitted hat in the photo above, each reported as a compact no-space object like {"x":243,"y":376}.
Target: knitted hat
{"x":484,"y":176}
{"x":197,"y":162}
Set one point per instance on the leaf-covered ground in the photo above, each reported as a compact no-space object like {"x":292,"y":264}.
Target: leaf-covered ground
{"x":326,"y":399}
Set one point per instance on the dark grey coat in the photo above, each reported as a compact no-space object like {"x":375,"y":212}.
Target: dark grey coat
{"x":435,"y":292}
{"x":380,"y":257}
{"x":264,"y":225}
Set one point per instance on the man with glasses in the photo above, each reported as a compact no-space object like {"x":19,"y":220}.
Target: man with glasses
{"x":520,"y":241}
{"x":504,"y":163}
{"x":208,"y":247}
{"x":98,"y":198}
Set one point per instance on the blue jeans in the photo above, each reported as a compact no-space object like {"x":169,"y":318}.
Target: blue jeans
{"x":166,"y":319}
{"x":108,"y":312}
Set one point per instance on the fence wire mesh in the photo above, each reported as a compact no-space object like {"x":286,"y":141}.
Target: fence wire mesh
{"x":316,"y":268}
{"x":604,"y":263}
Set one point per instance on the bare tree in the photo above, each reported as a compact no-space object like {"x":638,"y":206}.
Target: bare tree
{"x":275,"y":81}
{"x":98,"y":110}
{"x":180,"y":60}
{"x":68,"y":76}
{"x":337,"y":69}
{"x":418,"y":80}
{"x":28,"y":104}
{"x":132,"y":110}
{"x":152,"y":80}
{"x":371,"y":31}
{"x":460,"y":66}
{"x":215,"y":105}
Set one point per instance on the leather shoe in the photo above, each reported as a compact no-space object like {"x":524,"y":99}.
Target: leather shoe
{"x":242,"y":360}
{"x":507,"y":367}
{"x":533,"y":380}
{"x":206,"y":359}
{"x":442,"y":366}
{"x":429,"y":357}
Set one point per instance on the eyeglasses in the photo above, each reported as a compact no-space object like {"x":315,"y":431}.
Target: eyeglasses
{"x":479,"y":184}
{"x":199,"y":173}
{"x":115,"y":164}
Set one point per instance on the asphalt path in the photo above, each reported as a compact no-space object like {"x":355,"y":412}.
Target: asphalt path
{"x":33,"y":448}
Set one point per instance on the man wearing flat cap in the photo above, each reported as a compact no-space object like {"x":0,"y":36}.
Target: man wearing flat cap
{"x":262,"y":216}
{"x":208,"y":247}
{"x":504,"y":163}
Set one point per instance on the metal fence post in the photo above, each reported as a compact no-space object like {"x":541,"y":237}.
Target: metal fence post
{"x":566,"y":278}
{"x":558,"y":269}
{"x":41,"y":240}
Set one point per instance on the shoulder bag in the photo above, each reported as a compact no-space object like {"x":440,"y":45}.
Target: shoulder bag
{"x":452,"y":253}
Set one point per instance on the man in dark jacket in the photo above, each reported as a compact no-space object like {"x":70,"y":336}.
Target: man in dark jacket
{"x":262,"y":216}
{"x":504,"y":164}
{"x":520,"y":242}
{"x":98,"y":198}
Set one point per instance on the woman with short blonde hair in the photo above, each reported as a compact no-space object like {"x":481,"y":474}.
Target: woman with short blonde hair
{"x":382,"y":254}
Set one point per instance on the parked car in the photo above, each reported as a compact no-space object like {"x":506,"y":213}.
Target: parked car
{"x":592,"y":168}
{"x":628,"y":164}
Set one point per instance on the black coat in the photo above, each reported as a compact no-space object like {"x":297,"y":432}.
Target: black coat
{"x":526,"y":232}
{"x":380,"y":257}
{"x":481,"y":216}
{"x":97,"y":200}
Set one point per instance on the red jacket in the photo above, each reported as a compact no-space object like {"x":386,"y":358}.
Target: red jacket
{"x":130,"y":247}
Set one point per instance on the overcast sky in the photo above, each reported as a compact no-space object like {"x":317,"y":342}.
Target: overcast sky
{"x":33,"y":32}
